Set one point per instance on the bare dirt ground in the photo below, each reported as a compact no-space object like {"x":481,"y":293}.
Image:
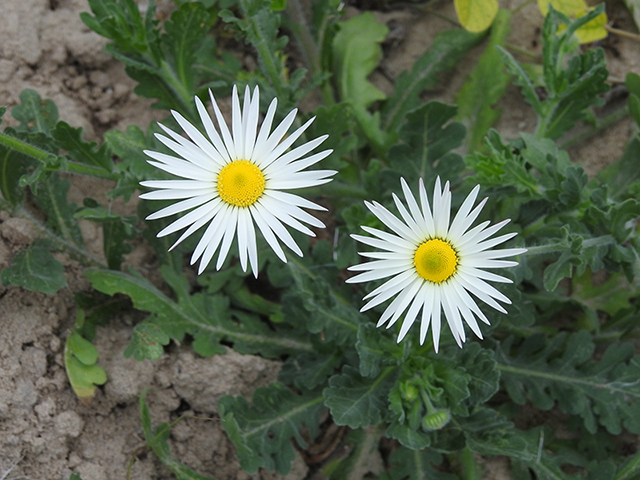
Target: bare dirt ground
{"x":45,"y":432}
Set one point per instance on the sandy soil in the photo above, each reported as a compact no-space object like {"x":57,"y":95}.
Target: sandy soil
{"x":45,"y":432}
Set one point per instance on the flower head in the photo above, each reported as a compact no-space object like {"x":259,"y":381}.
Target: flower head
{"x":237,"y":179}
{"x":434,"y":264}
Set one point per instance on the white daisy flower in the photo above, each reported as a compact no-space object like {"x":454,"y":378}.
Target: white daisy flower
{"x":434,"y":265}
{"x":236,"y":180}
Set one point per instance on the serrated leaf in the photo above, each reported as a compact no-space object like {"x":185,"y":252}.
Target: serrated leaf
{"x":34,"y":113}
{"x":485,"y":86}
{"x":134,"y":168}
{"x":561,"y":371}
{"x":447,"y":50}
{"x":52,"y":198}
{"x":357,"y":401}
{"x":35,"y":269}
{"x":206,"y":318}
{"x":573,"y":80}
{"x":139,"y":44}
{"x":356,"y":53}
{"x":157,"y":441}
{"x":428,"y":137}
{"x":88,"y":153}
{"x":375,"y":350}
{"x":261,"y":26}
{"x":184,"y":33}
{"x":309,"y":371}
{"x":481,"y":366}
{"x":522,"y":79}
{"x":147,"y":342}
{"x":262,"y":432}
{"x":408,"y":437}
{"x":476,"y":15}
{"x":84,"y":375}
{"x":315,"y":306}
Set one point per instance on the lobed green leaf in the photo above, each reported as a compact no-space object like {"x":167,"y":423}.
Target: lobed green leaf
{"x":262,"y":432}
{"x":35,"y":269}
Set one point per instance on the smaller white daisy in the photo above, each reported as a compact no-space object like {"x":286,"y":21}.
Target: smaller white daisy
{"x":434,"y":264}
{"x":236,"y":180}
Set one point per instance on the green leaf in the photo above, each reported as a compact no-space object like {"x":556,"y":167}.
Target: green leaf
{"x":160,"y":63}
{"x":375,"y":350}
{"x":84,"y":375}
{"x":115,"y":229}
{"x":485,"y":86}
{"x":134,"y":167}
{"x":88,"y":153}
{"x":147,"y":342}
{"x":261,"y":26}
{"x":521,"y":78}
{"x":488,"y":433}
{"x":481,"y":367}
{"x":445,"y":53}
{"x":185,"y":31}
{"x":425,"y":144}
{"x":207,"y":318}
{"x":356,"y":53}
{"x":13,"y":166}
{"x":82,"y":349}
{"x":476,"y":15}
{"x":35,"y":114}
{"x":262,"y":432}
{"x":573,"y":81}
{"x":157,"y":441}
{"x":309,"y":371}
{"x":35,"y":269}
{"x":561,"y":371}
{"x":315,"y":306}
{"x":622,"y":173}
{"x":417,"y":465}
{"x":52,"y":198}
{"x":358,"y":401}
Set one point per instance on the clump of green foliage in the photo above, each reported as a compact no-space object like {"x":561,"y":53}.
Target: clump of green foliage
{"x":566,"y":343}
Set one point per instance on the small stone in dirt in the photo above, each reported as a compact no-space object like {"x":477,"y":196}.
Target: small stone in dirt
{"x":69,"y":424}
{"x":18,"y":231}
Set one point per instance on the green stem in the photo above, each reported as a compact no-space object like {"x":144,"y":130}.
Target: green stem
{"x":62,"y":244}
{"x":181,"y":93}
{"x":470,"y":468}
{"x":310,"y":48}
{"x":630,"y":470}
{"x":558,"y":247}
{"x":601,"y":124}
{"x":522,"y":51}
{"x":46,"y":157}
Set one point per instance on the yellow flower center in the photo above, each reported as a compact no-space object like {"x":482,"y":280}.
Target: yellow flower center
{"x":240,"y":183}
{"x":436,"y":260}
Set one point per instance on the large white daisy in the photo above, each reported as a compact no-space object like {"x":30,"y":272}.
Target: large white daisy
{"x":236,"y":180}
{"x":434,"y":265}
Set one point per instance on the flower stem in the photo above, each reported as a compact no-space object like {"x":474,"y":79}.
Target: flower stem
{"x":558,"y":247}
{"x":47,"y":158}
{"x":470,"y":468}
